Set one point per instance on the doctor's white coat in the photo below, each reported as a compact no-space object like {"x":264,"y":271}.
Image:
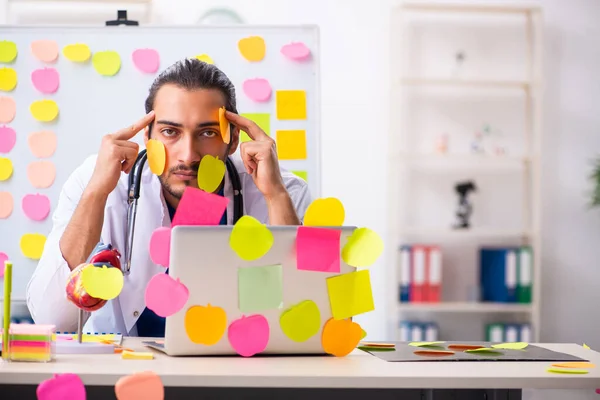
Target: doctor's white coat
{"x":46,"y":296}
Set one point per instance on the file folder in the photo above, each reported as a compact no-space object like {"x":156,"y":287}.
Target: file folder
{"x":404,"y":273}
{"x":419,"y":270}
{"x":525,"y":275}
{"x":434,"y":274}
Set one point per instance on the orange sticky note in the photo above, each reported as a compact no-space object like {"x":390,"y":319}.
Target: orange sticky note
{"x":157,"y":156}
{"x":41,"y":174}
{"x":291,"y":104}
{"x":224,"y":126}
{"x":42,"y":144}
{"x":141,"y":385}
{"x":574,"y":364}
{"x":291,"y":145}
{"x":205,"y":324}
{"x":340,"y":337}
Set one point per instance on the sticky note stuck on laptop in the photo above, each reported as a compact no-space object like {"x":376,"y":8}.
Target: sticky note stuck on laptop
{"x":350,"y":294}
{"x":318,"y":249}
{"x":260,"y":288}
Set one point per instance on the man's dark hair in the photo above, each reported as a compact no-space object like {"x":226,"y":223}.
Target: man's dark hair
{"x":193,"y":74}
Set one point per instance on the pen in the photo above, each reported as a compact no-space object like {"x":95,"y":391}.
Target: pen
{"x":7,"y":292}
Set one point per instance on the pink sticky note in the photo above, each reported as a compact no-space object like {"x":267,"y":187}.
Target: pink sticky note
{"x":42,"y":144}
{"x":36,"y":206}
{"x":160,"y":246}
{"x":598,"y":391}
{"x":296,"y":51}
{"x":318,"y":249}
{"x":45,"y":80}
{"x":41,"y":174}
{"x":8,"y":109}
{"x":198,"y":207}
{"x":61,"y":386}
{"x":146,"y":60}
{"x":8,"y":138}
{"x":3,"y":257}
{"x":165,"y":295}
{"x":45,"y":50}
{"x":249,"y":335}
{"x":258,"y":89}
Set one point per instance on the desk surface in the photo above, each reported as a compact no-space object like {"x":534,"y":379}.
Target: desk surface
{"x":358,"y":370}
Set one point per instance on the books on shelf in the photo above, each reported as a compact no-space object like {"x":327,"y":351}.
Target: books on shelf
{"x":420,"y":273}
{"x":508,"y":333}
{"x":415,"y":331}
{"x":506,"y":274}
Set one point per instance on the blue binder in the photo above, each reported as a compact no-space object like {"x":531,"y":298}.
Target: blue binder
{"x":404,"y":271}
{"x":498,"y":274}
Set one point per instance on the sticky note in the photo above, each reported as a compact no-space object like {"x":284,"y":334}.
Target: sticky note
{"x":205,"y":58}
{"x":374,"y":348}
{"x":291,"y":145}
{"x":8,"y":109}
{"x":301,"y":321}
{"x":8,"y":51}
{"x":61,"y":386}
{"x":3,"y":258}
{"x":362,"y":248}
{"x":107,"y":63}
{"x":574,"y":364}
{"x":160,"y":246}
{"x":318,"y":249}
{"x":252,"y":48}
{"x":32,"y":245}
{"x":6,"y":205}
{"x":165,"y":295}
{"x":44,"y":110}
{"x":377,"y":344}
{"x":296,"y":51}
{"x":8,"y":79}
{"x":484,"y":350}
{"x":224,"y":126}
{"x":433,"y":353}
{"x":257,"y":89}
{"x":102,"y":282}
{"x":510,"y":346}
{"x":585,"y":346}
{"x":567,"y":371}
{"x":136,"y":355}
{"x":263,"y":120}
{"x":249,"y":335}
{"x":157,"y":156}
{"x":210,"y":173}
{"x":146,"y":60}
{"x":45,"y":50}
{"x":205,"y":324}
{"x":462,"y":347}
{"x":36,"y":206}
{"x":291,"y":104}
{"x":250,"y":239}
{"x":6,"y":168}
{"x":327,"y":211}
{"x":42,"y":144}
{"x":8,"y":138}
{"x":198,"y":207}
{"x":77,"y":52}
{"x":364,"y":334}
{"x":260,"y":288}
{"x":41,"y":174}
{"x":302,"y":175}
{"x":45,"y":80}
{"x":350,"y":294}
{"x":140,"y":385}
{"x":421,"y":344}
{"x":340,"y":337}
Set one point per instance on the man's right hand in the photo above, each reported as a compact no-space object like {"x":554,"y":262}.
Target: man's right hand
{"x":117,"y":154}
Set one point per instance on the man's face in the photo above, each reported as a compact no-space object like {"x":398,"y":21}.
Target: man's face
{"x":187,"y":123}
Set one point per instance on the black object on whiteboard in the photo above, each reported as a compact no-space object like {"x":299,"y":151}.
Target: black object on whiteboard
{"x":122,"y":20}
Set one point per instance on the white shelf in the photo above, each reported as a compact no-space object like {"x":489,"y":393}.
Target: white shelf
{"x":464,"y":160}
{"x":466,"y":83}
{"x":463,"y":233}
{"x":469,"y":8}
{"x":467,"y":307}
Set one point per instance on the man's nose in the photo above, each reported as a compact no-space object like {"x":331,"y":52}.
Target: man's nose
{"x":187,"y":151}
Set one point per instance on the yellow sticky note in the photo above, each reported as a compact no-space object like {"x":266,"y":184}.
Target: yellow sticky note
{"x":44,"y":110}
{"x":363,"y":248}
{"x":575,"y":364}
{"x":510,"y":346}
{"x":32,"y":245}
{"x":252,"y":48}
{"x":205,"y":58}
{"x":102,"y":282}
{"x":250,"y":239}
{"x":8,"y":51}
{"x":291,"y":145}
{"x":77,"y":52}
{"x":327,"y":211}
{"x":8,"y":79}
{"x":205,"y":324}
{"x":291,"y":104}
{"x":585,"y":346}
{"x":350,"y":294}
{"x":301,"y":321}
{"x":210,"y":173}
{"x":6,"y":168}
{"x":136,"y":355}
{"x":107,"y":63}
{"x":424,"y":344}
{"x":567,"y":370}
{"x":484,"y":350}
{"x":263,"y":120}
{"x":363,"y":335}
{"x":301,"y":174}
{"x":157,"y":156}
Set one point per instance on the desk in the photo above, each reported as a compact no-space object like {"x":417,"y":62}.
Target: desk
{"x":282,"y":377}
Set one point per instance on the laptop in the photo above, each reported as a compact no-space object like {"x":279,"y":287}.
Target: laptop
{"x":203,"y":260}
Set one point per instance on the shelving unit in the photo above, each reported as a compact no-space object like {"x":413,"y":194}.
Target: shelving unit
{"x":405,"y":159}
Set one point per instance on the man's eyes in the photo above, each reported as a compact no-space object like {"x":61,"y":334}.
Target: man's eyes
{"x":168,"y":132}
{"x":209,"y":134}
{"x":171,"y":132}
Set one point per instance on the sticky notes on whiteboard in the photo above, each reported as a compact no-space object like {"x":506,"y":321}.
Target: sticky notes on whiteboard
{"x":36,"y":206}
{"x":8,"y":79}
{"x":8,"y":51}
{"x":291,"y":104}
{"x":45,"y":50}
{"x":263,"y":120}
{"x":252,"y":48}
{"x":6,"y":207}
{"x":6,"y":168}
{"x":45,"y":80}
{"x":107,"y":63}
{"x":291,"y":145}
{"x":350,"y":294}
{"x":257,"y":89}
{"x":41,"y":174}
{"x":8,"y":138}
{"x":296,"y":51}
{"x":42,"y":144}
{"x":146,"y":60}
{"x":77,"y":52}
{"x":44,"y":110}
{"x":8,"y":109}
{"x":205,"y":58}
{"x":32,"y":245}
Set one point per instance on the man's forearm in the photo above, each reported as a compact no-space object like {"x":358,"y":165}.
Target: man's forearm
{"x":281,"y":210}
{"x":83,"y":232}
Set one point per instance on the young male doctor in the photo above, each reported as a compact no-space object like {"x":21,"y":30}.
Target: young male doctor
{"x":182,"y":112}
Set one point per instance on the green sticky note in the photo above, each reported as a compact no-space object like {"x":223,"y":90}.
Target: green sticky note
{"x":263,"y":120}
{"x":301,"y":174}
{"x":260,"y":288}
{"x":425,"y":344}
{"x":371,"y":348}
{"x":350,"y":294}
{"x":301,"y":321}
{"x":8,"y":51}
{"x":510,"y":346}
{"x":484,"y":350}
{"x":567,"y":370}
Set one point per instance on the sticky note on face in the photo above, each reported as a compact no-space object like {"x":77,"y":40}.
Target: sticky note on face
{"x":45,"y":80}
{"x":249,"y":335}
{"x":8,"y":138}
{"x":141,"y":385}
{"x":260,"y":288}
{"x":327,"y":211}
{"x":165,"y":295}
{"x":205,"y":58}
{"x":45,"y":50}
{"x":318,"y":249}
{"x":263,"y":120}
{"x":205,"y":324}
{"x":6,"y":208}
{"x":6,"y":168}
{"x":258,"y":89}
{"x":8,"y":51}
{"x":291,"y":145}
{"x":198,"y":207}
{"x":350,"y":294}
{"x":44,"y":110}
{"x":291,"y":104}
{"x":41,"y":174}
{"x":8,"y":109}
{"x":362,"y":248}
{"x":77,"y":52}
{"x":224,"y":126}
{"x":146,"y":60}
{"x":250,"y":239}
{"x":61,"y":386}
{"x":42,"y":144}
{"x":340,"y":337}
{"x":102,"y":282}
{"x":160,"y":246}
{"x":8,"y":79}
{"x":157,"y":156}
{"x":252,"y":48}
{"x":107,"y":63}
{"x":210,"y":173}
{"x":36,"y":206}
{"x":301,"y":321}
{"x":32,"y":245}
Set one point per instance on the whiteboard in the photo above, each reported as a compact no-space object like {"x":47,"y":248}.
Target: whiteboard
{"x":92,"y":105}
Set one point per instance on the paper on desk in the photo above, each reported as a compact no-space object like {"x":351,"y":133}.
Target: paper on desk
{"x":42,"y":144}
{"x":102,"y":282}
{"x":205,"y":324}
{"x":362,"y":248}
{"x":8,"y":79}
{"x":140,"y":385}
{"x":318,"y":249}
{"x":77,"y":52}
{"x":424,"y":344}
{"x":511,"y":346}
{"x":484,"y":350}
{"x":41,"y":174}
{"x":210,"y":173}
{"x":197,"y":207}
{"x":249,"y":335}
{"x":327,"y":211}
{"x":8,"y":138}
{"x":32,"y":245}
{"x":45,"y":50}
{"x":250,"y":239}
{"x":61,"y":386}
{"x":350,"y":294}
{"x":8,"y":51}
{"x":6,"y":168}
{"x":291,"y":145}
{"x":296,"y":51}
{"x":45,"y":80}
{"x":291,"y":104}
{"x":252,"y":48}
{"x":157,"y":156}
{"x":263,"y":120}
{"x":6,"y":207}
{"x":146,"y":60}
{"x":160,"y":246}
{"x":301,"y":321}
{"x":257,"y":89}
{"x":260,"y":288}
{"x":44,"y":110}
{"x":165,"y":295}
{"x":36,"y":206}
{"x":107,"y":63}
{"x":8,"y":109}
